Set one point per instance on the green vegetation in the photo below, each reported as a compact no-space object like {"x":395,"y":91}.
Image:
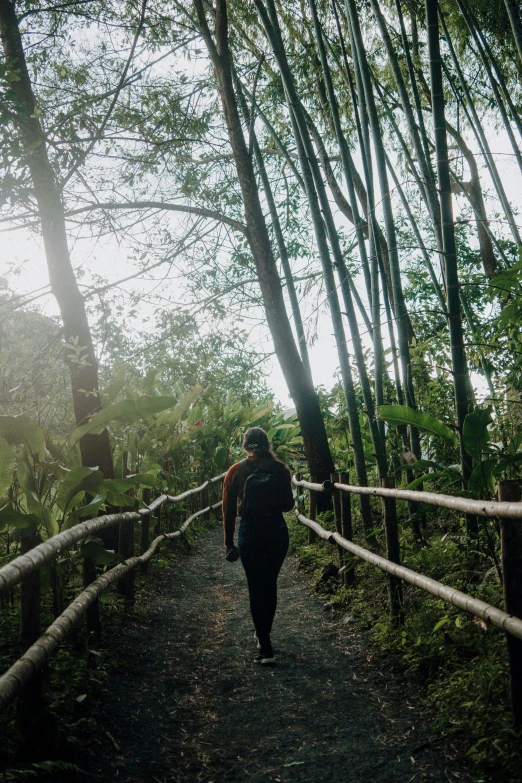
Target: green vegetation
{"x":242,"y":172}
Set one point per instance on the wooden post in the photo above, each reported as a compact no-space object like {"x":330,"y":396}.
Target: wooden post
{"x":145,"y":530}
{"x":157,"y":526}
{"x":36,"y":727}
{"x":334,"y":477}
{"x":312,"y":513}
{"x":126,"y":546}
{"x":205,"y":500}
{"x":393,"y":550}
{"x":299,"y":490}
{"x":346,"y":525}
{"x":92,"y":616}
{"x":511,"y":542}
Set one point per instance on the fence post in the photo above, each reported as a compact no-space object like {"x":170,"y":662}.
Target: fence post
{"x":393,"y":549}
{"x":346,"y":525}
{"x":336,"y":496}
{"x":92,"y":616}
{"x":205,"y":495}
{"x":126,"y":546}
{"x":511,"y":543}
{"x":157,"y":526}
{"x":312,"y":513}
{"x":299,"y":490}
{"x":36,"y":728}
{"x":145,"y":531}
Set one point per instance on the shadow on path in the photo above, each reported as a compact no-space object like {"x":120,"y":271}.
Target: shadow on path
{"x":189,"y":704}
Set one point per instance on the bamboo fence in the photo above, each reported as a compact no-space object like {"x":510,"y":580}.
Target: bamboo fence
{"x":25,"y":669}
{"x":508,"y":511}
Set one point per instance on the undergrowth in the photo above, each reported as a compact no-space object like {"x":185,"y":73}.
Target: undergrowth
{"x":458,"y":663}
{"x":78,"y":670}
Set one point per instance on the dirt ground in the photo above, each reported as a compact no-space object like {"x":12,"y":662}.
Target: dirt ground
{"x":188,"y":704}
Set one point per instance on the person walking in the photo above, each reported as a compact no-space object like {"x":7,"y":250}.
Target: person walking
{"x":263,"y":486}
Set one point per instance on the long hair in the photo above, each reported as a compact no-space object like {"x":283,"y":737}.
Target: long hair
{"x":256,"y":440}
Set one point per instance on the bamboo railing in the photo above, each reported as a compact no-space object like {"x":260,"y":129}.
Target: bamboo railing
{"x":25,"y":669}
{"x":508,"y":510}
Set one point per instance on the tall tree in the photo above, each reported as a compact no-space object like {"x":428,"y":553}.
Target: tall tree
{"x":23,"y":112}
{"x":296,"y":375}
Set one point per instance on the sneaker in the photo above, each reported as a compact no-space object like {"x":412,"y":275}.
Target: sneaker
{"x":265,"y":658}
{"x":258,"y":644}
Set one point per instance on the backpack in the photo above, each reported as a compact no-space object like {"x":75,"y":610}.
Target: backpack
{"x":261,"y":495}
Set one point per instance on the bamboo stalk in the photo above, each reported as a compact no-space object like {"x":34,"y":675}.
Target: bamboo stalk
{"x":511,"y":545}
{"x":401,"y":314}
{"x":481,"y":136}
{"x":516,"y":24}
{"x":321,"y":214}
{"x":461,"y":380}
{"x":346,"y":528}
{"x":484,"y":51}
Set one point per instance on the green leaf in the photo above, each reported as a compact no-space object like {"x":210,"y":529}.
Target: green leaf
{"x":10,"y":517}
{"x":23,"y":431}
{"x":124,"y":412}
{"x":433,"y":476}
{"x":93,"y":548}
{"x":481,"y":478}
{"x":171,"y":418}
{"x":84,"y":512}
{"x":444,"y":621}
{"x":78,"y":481}
{"x":396,"y":415}
{"x":475,"y":433}
{"x":115,"y":496}
{"x":7,"y":463}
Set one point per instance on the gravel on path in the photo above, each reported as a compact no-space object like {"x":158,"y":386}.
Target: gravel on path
{"x":187,"y":703}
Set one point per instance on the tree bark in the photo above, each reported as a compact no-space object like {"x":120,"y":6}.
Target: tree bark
{"x":299,"y":382}
{"x":95,"y":449}
{"x":458,"y":354}
{"x":281,"y":244}
{"x":474,"y":190}
{"x":516,"y":24}
{"x":481,"y":137}
{"x":401,"y":313}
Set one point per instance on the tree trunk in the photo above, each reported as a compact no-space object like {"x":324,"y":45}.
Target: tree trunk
{"x":401,"y":312}
{"x":322,"y":219}
{"x":278,"y":231}
{"x":299,"y":382}
{"x":516,"y":24}
{"x":481,"y":137}
{"x":458,"y":354}
{"x":95,"y":449}
{"x":476,"y":198}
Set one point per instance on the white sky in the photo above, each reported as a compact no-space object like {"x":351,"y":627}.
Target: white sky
{"x":22,"y":262}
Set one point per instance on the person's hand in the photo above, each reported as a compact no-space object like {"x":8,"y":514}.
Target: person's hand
{"x":232,"y":554}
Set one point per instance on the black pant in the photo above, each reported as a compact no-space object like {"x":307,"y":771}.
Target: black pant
{"x":262,"y":553}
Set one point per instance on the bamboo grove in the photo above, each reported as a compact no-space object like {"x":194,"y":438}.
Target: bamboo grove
{"x":287,"y":178}
{"x":372,"y":145}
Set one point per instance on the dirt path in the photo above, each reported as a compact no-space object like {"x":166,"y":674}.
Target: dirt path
{"x":188,"y":704}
